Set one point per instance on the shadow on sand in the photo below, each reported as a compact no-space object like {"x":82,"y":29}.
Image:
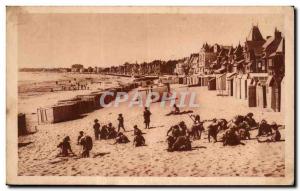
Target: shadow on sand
{"x":24,"y":144}
{"x":100,"y":154}
{"x":198,"y":147}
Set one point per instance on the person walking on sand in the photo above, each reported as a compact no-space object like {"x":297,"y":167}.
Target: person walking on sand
{"x":147,"y":114}
{"x":121,"y":123}
{"x":79,"y":137}
{"x":87,"y":145}
{"x":96,"y":129}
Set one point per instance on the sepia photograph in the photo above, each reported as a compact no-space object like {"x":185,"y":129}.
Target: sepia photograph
{"x":150,"y":95}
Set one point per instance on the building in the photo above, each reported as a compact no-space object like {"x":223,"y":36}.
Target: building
{"x":207,"y":55}
{"x":253,"y":51}
{"x":274,"y":60}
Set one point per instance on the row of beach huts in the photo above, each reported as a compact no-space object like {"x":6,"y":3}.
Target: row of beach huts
{"x":74,"y":108}
{"x":257,"y":89}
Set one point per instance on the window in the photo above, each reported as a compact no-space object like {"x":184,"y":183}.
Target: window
{"x":270,"y":63}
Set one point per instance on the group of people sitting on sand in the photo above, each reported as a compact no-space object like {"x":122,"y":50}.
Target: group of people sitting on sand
{"x":179,"y":136}
{"x":104,"y":133}
{"x":233,"y":131}
{"x":85,"y":141}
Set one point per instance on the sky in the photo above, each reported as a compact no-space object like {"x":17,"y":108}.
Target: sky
{"x":60,"y":40}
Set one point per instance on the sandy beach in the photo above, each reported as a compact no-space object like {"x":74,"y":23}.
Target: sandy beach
{"x":206,"y":159}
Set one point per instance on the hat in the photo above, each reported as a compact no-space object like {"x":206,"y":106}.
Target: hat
{"x":80,"y":132}
{"x":96,"y":120}
{"x":109,"y":123}
{"x":120,"y":114}
{"x":135,"y":126}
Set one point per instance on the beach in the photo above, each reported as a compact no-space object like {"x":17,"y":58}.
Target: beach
{"x":38,"y":158}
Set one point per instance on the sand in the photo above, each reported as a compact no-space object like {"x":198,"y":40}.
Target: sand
{"x":205,"y":160}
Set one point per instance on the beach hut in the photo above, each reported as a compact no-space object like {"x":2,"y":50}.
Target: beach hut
{"x":109,"y":98}
{"x":221,"y":84}
{"x":269,"y":85}
{"x":229,"y":84}
{"x":275,"y":95}
{"x":196,"y":80}
{"x":22,"y":124}
{"x":184,"y":80}
{"x":58,"y":113}
{"x":206,"y":79}
{"x":175,"y":80}
{"x":87,"y":103}
{"x":212,"y":83}
{"x":261,"y":95}
{"x":97,"y":95}
{"x":282,"y":97}
{"x":245,"y":81}
{"x":180,"y":80}
{"x":161,"y":89}
{"x":252,"y":95}
{"x":238,"y":81}
{"x":199,"y":81}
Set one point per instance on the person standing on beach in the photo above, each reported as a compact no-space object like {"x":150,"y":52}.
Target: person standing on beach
{"x":79,"y":137}
{"x":121,"y":123}
{"x":147,"y":114}
{"x":87,"y":145}
{"x":96,"y":129}
{"x":213,"y":130}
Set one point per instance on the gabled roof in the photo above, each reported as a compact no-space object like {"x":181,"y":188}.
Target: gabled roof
{"x":254,"y":34}
{"x":223,"y":52}
{"x":268,"y":42}
{"x":231,"y":50}
{"x":280,"y":48}
{"x":206,"y":47}
{"x":238,"y":50}
{"x":274,"y":45}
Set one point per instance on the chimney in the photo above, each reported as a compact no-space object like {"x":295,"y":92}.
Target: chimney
{"x":277,"y":34}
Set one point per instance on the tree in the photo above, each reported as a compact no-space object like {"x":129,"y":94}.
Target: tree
{"x":77,"y":66}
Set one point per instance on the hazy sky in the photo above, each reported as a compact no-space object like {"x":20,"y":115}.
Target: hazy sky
{"x":60,"y":40}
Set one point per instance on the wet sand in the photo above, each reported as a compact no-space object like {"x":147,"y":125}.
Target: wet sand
{"x":206,"y":159}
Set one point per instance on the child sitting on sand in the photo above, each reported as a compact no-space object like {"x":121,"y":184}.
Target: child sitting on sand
{"x":276,"y":136}
{"x":65,"y":147}
{"x":139,"y":140}
{"x":121,"y":138}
